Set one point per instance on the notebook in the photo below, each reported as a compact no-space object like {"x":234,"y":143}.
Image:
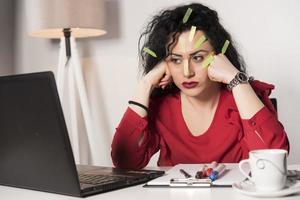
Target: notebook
{"x":173,"y":177}
{"x":35,"y":150}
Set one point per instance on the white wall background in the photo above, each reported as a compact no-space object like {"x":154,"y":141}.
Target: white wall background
{"x":7,"y":16}
{"x":267,"y":33}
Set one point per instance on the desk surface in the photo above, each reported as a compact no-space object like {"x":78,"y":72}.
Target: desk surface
{"x":139,"y":192}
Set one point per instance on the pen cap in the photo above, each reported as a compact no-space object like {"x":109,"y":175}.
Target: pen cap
{"x":217,"y":172}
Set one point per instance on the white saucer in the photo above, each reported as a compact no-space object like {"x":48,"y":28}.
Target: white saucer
{"x":247,"y":188}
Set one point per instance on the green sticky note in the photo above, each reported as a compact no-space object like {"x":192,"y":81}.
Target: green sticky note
{"x":187,"y":15}
{"x":199,"y":41}
{"x":150,"y":52}
{"x":225,"y":46}
{"x":207,"y":61}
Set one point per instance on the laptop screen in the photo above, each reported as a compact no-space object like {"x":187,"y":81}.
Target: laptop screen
{"x":34,"y":146}
{"x":35,"y":150}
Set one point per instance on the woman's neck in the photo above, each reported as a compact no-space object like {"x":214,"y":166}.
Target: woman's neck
{"x":207,"y":99}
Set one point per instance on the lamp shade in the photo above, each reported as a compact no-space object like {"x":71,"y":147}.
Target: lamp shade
{"x":48,"y":18}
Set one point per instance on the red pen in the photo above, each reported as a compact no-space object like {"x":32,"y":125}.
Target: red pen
{"x":214,"y":164}
{"x":209,"y":170}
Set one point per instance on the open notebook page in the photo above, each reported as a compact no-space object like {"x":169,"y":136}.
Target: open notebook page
{"x":230,"y":176}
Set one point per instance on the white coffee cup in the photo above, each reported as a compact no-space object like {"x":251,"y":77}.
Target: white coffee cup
{"x":268,"y":169}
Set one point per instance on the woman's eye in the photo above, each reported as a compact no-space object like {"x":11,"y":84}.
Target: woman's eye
{"x":175,"y":60}
{"x":198,"y":58}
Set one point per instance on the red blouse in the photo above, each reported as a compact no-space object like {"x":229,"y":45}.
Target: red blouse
{"x":228,"y":139}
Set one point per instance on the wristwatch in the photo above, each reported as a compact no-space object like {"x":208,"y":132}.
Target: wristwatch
{"x":240,"y":77}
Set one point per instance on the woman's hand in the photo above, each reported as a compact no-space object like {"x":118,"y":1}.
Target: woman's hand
{"x":221,"y":69}
{"x":159,"y":76}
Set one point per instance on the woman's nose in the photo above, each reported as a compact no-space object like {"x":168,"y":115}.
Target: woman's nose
{"x":187,"y":71}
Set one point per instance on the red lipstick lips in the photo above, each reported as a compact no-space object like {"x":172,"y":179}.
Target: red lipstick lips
{"x":189,"y":85}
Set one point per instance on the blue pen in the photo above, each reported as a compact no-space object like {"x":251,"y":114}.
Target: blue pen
{"x":217,"y":172}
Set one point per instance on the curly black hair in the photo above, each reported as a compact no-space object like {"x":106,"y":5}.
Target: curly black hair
{"x":163,"y":31}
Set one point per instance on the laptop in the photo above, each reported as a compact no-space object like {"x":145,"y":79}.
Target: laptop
{"x":35,"y":149}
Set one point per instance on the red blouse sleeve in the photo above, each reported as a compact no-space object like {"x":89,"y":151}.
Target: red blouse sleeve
{"x":264,"y":130}
{"x":126,"y":153}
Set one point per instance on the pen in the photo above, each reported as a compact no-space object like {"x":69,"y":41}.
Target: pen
{"x":209,"y":170}
{"x":200,"y":174}
{"x":187,"y":175}
{"x":214,"y":164}
{"x":217,"y":172}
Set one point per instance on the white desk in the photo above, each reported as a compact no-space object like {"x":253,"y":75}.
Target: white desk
{"x":139,"y":192}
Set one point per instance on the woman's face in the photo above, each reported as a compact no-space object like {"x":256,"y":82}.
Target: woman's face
{"x":185,"y":64}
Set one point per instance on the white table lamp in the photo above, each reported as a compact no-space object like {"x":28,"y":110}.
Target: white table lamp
{"x":67,"y":20}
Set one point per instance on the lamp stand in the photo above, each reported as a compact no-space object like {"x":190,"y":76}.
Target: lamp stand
{"x":69,"y":67}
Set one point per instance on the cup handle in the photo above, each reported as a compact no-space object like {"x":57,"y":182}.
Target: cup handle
{"x":241,"y":169}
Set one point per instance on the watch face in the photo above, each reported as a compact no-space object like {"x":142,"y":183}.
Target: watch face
{"x":242,"y":77}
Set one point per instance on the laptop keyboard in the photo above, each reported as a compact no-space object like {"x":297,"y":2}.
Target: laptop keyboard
{"x":95,"y":179}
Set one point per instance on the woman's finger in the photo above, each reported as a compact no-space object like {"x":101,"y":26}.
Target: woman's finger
{"x":166,"y":77}
{"x":163,"y":83}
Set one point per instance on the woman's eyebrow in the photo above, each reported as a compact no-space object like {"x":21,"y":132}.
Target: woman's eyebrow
{"x":175,"y":54}
{"x":192,"y":54}
{"x":201,"y":50}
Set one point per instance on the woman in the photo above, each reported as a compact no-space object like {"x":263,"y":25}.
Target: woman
{"x":190,"y":112}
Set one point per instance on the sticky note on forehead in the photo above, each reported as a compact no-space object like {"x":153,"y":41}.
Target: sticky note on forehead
{"x":187,"y":15}
{"x":199,"y":42}
{"x":225,"y":46}
{"x":150,"y":52}
{"x":207,"y":61}
{"x":192,"y":33}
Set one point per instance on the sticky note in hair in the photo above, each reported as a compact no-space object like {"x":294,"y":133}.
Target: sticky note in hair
{"x":192,"y":33}
{"x":207,"y":60}
{"x":225,"y":46}
{"x":199,"y":41}
{"x":187,"y":15}
{"x":150,"y":52}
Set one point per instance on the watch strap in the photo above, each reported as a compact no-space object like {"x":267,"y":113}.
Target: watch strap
{"x":235,"y":81}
